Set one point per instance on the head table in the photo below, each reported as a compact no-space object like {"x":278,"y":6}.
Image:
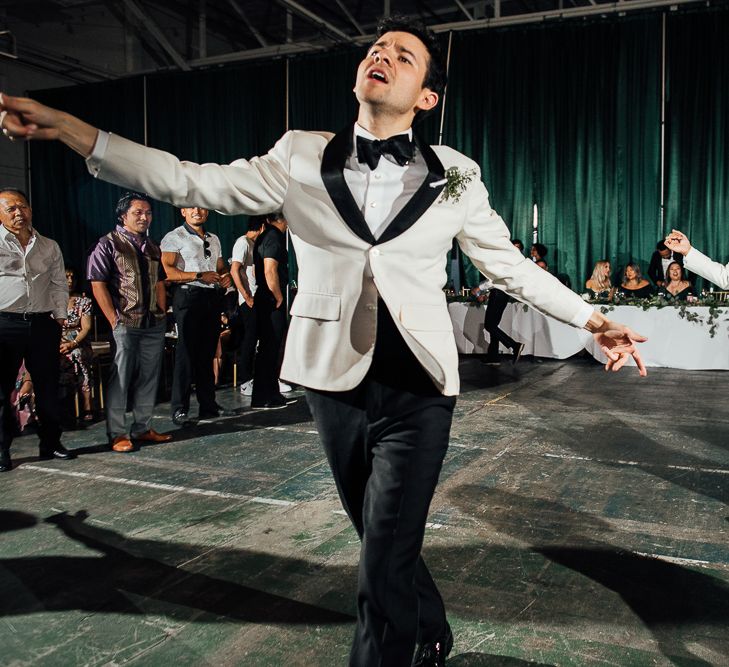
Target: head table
{"x":690,"y":337}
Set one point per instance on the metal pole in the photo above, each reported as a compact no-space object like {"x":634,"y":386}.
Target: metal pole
{"x":662,"y":217}
{"x":445,"y":92}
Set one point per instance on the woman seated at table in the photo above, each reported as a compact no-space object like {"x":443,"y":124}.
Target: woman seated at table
{"x":76,"y":355}
{"x":634,"y":285}
{"x":599,"y":282}
{"x":676,"y":287}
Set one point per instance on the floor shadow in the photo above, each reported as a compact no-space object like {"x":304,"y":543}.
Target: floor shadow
{"x":111,"y":579}
{"x":679,"y":605}
{"x":487,"y":660}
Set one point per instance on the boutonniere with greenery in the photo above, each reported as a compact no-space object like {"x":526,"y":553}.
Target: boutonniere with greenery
{"x":456,"y":182}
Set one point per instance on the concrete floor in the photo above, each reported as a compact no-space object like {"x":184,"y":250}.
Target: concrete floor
{"x":581,"y":519}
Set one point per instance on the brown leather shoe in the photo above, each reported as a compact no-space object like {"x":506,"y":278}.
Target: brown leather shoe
{"x":122,"y":443}
{"x":153,"y":436}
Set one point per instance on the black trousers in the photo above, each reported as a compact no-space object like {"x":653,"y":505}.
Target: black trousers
{"x":385,"y":441}
{"x":245,"y":331}
{"x":197,"y":313}
{"x":497,"y":303}
{"x":37,"y":341}
{"x":271,"y":330}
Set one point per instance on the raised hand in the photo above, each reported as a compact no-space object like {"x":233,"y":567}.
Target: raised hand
{"x":677,"y":242}
{"x":23,"y":118}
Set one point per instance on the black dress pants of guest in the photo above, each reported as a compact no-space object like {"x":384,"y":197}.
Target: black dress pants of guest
{"x":197,"y":313}
{"x":35,"y":340}
{"x":271,"y":331}
{"x":385,"y":441}
{"x":245,"y":341}
{"x":497,"y":303}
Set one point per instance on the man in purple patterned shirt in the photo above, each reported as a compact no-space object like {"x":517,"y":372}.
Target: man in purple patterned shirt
{"x":127,"y":279}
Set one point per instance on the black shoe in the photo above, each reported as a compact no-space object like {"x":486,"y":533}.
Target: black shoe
{"x":180,"y":418}
{"x":275,"y":403}
{"x":516,"y":353}
{"x":5,"y":462}
{"x":57,"y":451}
{"x":433,"y":654}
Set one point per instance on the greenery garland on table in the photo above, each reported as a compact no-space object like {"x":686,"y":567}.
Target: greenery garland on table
{"x":716,"y":308}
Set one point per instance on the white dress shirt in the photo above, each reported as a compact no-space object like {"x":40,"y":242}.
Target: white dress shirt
{"x":32,"y":279}
{"x":190,"y":249}
{"x":381,"y":193}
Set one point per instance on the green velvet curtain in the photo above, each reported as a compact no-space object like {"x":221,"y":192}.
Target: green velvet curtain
{"x":215,"y":116}
{"x":551,"y":116}
{"x":68,"y":204}
{"x":697,"y":170}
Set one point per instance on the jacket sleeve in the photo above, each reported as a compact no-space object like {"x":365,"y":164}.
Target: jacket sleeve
{"x":486,"y":240}
{"x":253,"y":187}
{"x":713,"y":271}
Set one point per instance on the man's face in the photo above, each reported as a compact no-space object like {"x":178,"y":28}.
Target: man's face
{"x":15,"y":213}
{"x":138,"y":218}
{"x":195,"y":216}
{"x":391,"y":76}
{"x":665,"y":253}
{"x":69,"y":279}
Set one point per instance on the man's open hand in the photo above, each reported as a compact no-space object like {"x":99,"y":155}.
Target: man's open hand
{"x":618,"y":343}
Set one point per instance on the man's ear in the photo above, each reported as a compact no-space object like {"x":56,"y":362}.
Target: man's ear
{"x":428,"y":100}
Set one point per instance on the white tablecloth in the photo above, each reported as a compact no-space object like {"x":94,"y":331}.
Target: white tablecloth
{"x":673,"y":342}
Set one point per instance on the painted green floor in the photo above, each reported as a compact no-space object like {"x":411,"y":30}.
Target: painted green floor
{"x":581,"y":519}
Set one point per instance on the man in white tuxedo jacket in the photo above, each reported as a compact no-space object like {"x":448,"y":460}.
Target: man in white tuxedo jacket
{"x":698,"y":262}
{"x":372,"y":216}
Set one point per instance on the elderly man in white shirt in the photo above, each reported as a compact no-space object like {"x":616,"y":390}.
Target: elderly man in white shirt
{"x":33,"y":302}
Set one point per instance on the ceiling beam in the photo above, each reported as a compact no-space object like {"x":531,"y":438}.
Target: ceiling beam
{"x":242,"y":15}
{"x":315,"y":19}
{"x":462,"y":7}
{"x":146,"y":21}
{"x":351,"y":18}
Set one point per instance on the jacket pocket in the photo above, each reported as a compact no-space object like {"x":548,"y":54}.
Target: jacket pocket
{"x":317,"y":306}
{"x":419,"y":317}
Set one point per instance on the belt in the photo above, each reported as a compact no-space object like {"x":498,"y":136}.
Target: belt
{"x":23,"y":316}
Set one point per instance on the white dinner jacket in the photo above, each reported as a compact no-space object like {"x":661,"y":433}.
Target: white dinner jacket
{"x":342,"y":268}
{"x":707,"y":268}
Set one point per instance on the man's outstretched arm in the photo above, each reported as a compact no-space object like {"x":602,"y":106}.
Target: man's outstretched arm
{"x":23,"y":118}
{"x":696,"y":261}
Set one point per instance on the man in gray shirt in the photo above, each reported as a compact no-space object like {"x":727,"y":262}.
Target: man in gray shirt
{"x":33,"y":307}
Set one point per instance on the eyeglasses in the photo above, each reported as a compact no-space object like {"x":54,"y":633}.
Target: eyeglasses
{"x":206,"y":249}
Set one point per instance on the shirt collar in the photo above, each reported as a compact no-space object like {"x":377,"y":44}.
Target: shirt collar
{"x":6,"y":233}
{"x":359,"y":131}
{"x":191,"y":230}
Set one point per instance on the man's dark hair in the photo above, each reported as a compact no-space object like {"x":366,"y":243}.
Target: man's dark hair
{"x":541,"y":249}
{"x":661,"y":245}
{"x":17,"y":191}
{"x":435,"y":76}
{"x":255,"y":222}
{"x":125,"y":203}
{"x":518,"y":243}
{"x":272,"y":217}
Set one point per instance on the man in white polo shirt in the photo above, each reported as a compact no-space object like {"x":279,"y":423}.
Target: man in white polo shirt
{"x":193,"y":261}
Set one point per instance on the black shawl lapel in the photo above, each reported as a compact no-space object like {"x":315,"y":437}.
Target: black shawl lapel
{"x":423,"y":198}
{"x":333,"y":160}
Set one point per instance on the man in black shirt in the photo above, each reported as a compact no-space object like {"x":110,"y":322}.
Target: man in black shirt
{"x":271,"y":260}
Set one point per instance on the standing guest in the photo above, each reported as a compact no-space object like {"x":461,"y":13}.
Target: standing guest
{"x":33,"y":300}
{"x":244,"y":276}
{"x":497,"y":302}
{"x":193,"y":260}
{"x":696,"y":261}
{"x":127,"y":281}
{"x":600,"y":283}
{"x":660,"y":259}
{"x":676,"y":287}
{"x":634,"y":285}
{"x":370,"y":338}
{"x":271,"y":266}
{"x":76,"y":355}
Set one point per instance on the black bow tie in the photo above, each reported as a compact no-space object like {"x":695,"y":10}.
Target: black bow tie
{"x":371,"y":150}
